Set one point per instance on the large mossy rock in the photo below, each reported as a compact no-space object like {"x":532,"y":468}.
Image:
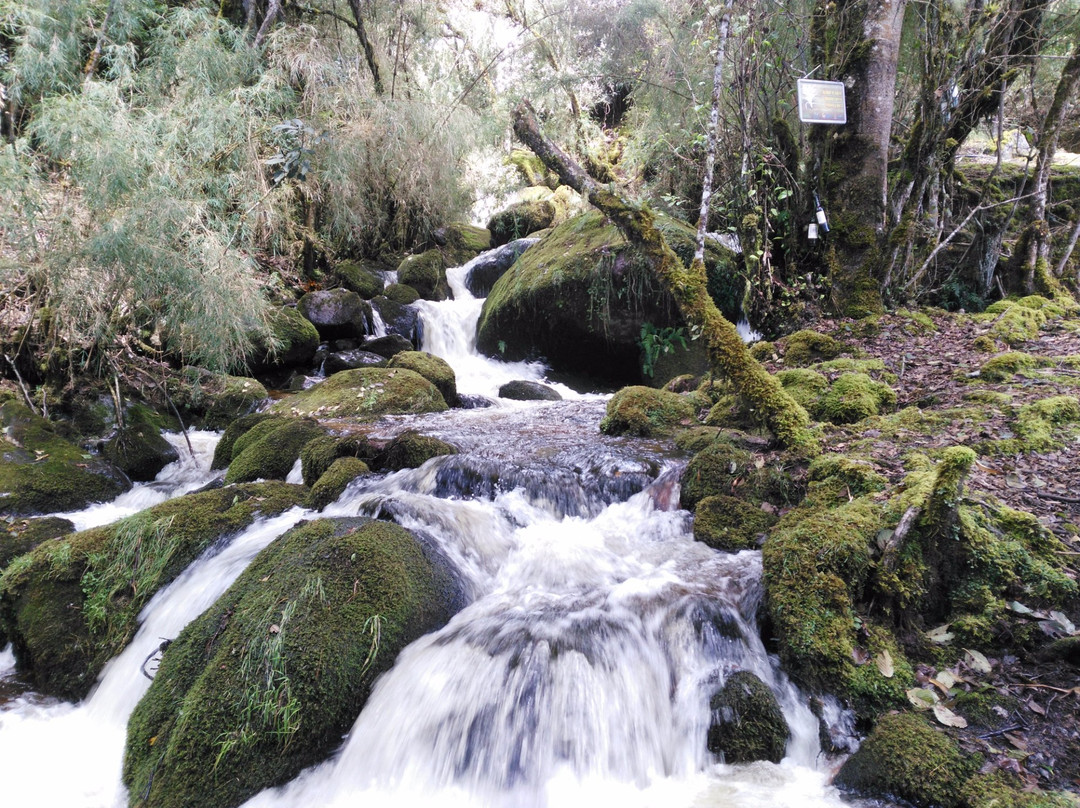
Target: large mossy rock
{"x":71,"y":604}
{"x":730,"y":524}
{"x":521,"y":219}
{"x":646,"y":412}
{"x":335,"y":480}
{"x":580,"y":297}
{"x":366,"y":281}
{"x":268,"y":679}
{"x":460,"y":242}
{"x":336,"y":313}
{"x":270,"y":454}
{"x":138,"y":447}
{"x":213,"y":401}
{"x":366,"y":393}
{"x":426,"y":273}
{"x":41,"y":472}
{"x":433,"y":368}
{"x":905,"y":757}
{"x":295,"y":341}
{"x":747,"y":722}
{"x":410,"y":450}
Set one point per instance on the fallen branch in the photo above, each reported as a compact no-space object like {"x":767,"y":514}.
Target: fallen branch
{"x":22,"y":385}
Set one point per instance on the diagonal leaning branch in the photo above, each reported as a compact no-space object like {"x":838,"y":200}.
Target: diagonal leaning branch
{"x":727,"y":352}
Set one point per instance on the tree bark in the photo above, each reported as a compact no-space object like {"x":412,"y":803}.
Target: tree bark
{"x":714,"y":123}
{"x":370,"y":56}
{"x":727,"y":352}
{"x":271,"y":14}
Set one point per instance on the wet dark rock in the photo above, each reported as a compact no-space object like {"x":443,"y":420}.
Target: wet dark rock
{"x":747,"y":722}
{"x":296,"y":337}
{"x":138,"y":446}
{"x":400,"y":319}
{"x":388,"y":346}
{"x":348,"y":360}
{"x":489,"y":267}
{"x":522,"y":390}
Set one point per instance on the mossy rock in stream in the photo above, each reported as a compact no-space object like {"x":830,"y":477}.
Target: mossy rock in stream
{"x":426,"y":273}
{"x":581,"y":295}
{"x":908,"y":758}
{"x":138,"y":447}
{"x":335,"y":480}
{"x":270,"y":454}
{"x":295,"y":340}
{"x":730,"y":524}
{"x":410,"y":450}
{"x":747,"y":722}
{"x":213,"y":401}
{"x":71,"y":604}
{"x":224,"y":450}
{"x":356,"y":277}
{"x":41,"y":472}
{"x":367,"y":394}
{"x":269,"y":678}
{"x":646,"y":412}
{"x":433,"y":368}
{"x":319,"y":455}
{"x":722,"y":469}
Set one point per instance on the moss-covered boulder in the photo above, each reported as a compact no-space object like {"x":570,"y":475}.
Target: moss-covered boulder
{"x":646,"y":412}
{"x":318,"y":455}
{"x":356,"y":277}
{"x":366,"y":393}
{"x":223,"y":451}
{"x":213,"y":400}
{"x":806,"y":347}
{"x":747,"y":723}
{"x":805,"y":386}
{"x":138,"y":447}
{"x":723,"y":469}
{"x":521,"y":219}
{"x":410,"y":450}
{"x":269,"y":678}
{"x":295,"y":340}
{"x":336,"y":313}
{"x":334,"y":480}
{"x":433,"y":368}
{"x":269,"y":450}
{"x":401,"y":293}
{"x":460,"y":242}
{"x":581,"y":296}
{"x":906,"y":757}
{"x":426,"y":273}
{"x":401,"y":320}
{"x":41,"y":472}
{"x":19,"y":536}
{"x":730,"y":524}
{"x":854,"y":396}
{"x":71,"y":604}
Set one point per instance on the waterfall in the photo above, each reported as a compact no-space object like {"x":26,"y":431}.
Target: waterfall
{"x":579,"y":672}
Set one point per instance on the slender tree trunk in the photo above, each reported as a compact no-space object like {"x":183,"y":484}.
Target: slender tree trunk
{"x":369,"y":47}
{"x":268,"y":21}
{"x":1036,"y":267}
{"x":866,"y":38}
{"x":95,"y":55}
{"x":714,"y":123}
{"x":727,"y":352}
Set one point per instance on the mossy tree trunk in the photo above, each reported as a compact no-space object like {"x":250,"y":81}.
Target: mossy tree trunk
{"x":858,"y":41}
{"x":727,"y":352}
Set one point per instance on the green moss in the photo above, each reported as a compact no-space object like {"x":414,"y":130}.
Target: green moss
{"x":805,"y":347}
{"x":816,"y":561}
{"x":921,"y":321}
{"x":747,"y":722}
{"x":722,"y":469}
{"x":1019,"y":321}
{"x":401,"y":293}
{"x":272,"y":455}
{"x":410,"y":450}
{"x":426,"y":274}
{"x":1000,"y":790}
{"x":854,"y":396}
{"x":697,"y":438}
{"x":215,"y":400}
{"x":72,"y":604}
{"x":357,"y":278}
{"x":984,"y":344}
{"x":730,"y":524}
{"x":532,"y":169}
{"x":1004,"y":366}
{"x":271,"y":676}
{"x":19,"y":536}
{"x":905,"y":757}
{"x":294,"y":342}
{"x":1037,"y":423}
{"x":431,"y":367}
{"x":764,"y":351}
{"x":646,"y":412}
{"x":835,"y":477}
{"x":993,"y":397}
{"x":223,"y":452}
{"x":874,"y":368}
{"x":367,"y":394}
{"x":41,"y":472}
{"x":138,"y":447}
{"x":319,"y":454}
{"x":805,"y":386}
{"x":461,"y":242}
{"x":521,"y":219}
{"x":334,"y":480}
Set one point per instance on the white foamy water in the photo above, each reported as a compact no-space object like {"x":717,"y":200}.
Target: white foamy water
{"x":190,"y":472}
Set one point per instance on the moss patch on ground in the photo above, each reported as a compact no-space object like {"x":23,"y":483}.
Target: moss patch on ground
{"x":646,"y":412}
{"x":268,"y":679}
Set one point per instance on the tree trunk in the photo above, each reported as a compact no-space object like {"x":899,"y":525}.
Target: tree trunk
{"x":1037,"y":276}
{"x":710,"y":140}
{"x":727,"y":352}
{"x":271,"y":14}
{"x":368,"y":46}
{"x":862,"y":39}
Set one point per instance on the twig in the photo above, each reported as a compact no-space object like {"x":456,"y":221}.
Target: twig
{"x":22,"y":386}
{"x":1058,"y":498}
{"x":1001,"y":731}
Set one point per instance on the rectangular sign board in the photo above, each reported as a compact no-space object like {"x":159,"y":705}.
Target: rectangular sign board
{"x":822,"y":101}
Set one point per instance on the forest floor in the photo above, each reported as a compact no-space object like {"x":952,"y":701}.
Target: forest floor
{"x":1032,"y":726}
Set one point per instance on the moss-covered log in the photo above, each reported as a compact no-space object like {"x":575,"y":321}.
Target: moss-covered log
{"x":727,"y":352}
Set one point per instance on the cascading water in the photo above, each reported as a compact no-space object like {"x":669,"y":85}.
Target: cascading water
{"x":579,"y":672}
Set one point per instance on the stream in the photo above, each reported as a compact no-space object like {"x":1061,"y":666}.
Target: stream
{"x":579,"y":673}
